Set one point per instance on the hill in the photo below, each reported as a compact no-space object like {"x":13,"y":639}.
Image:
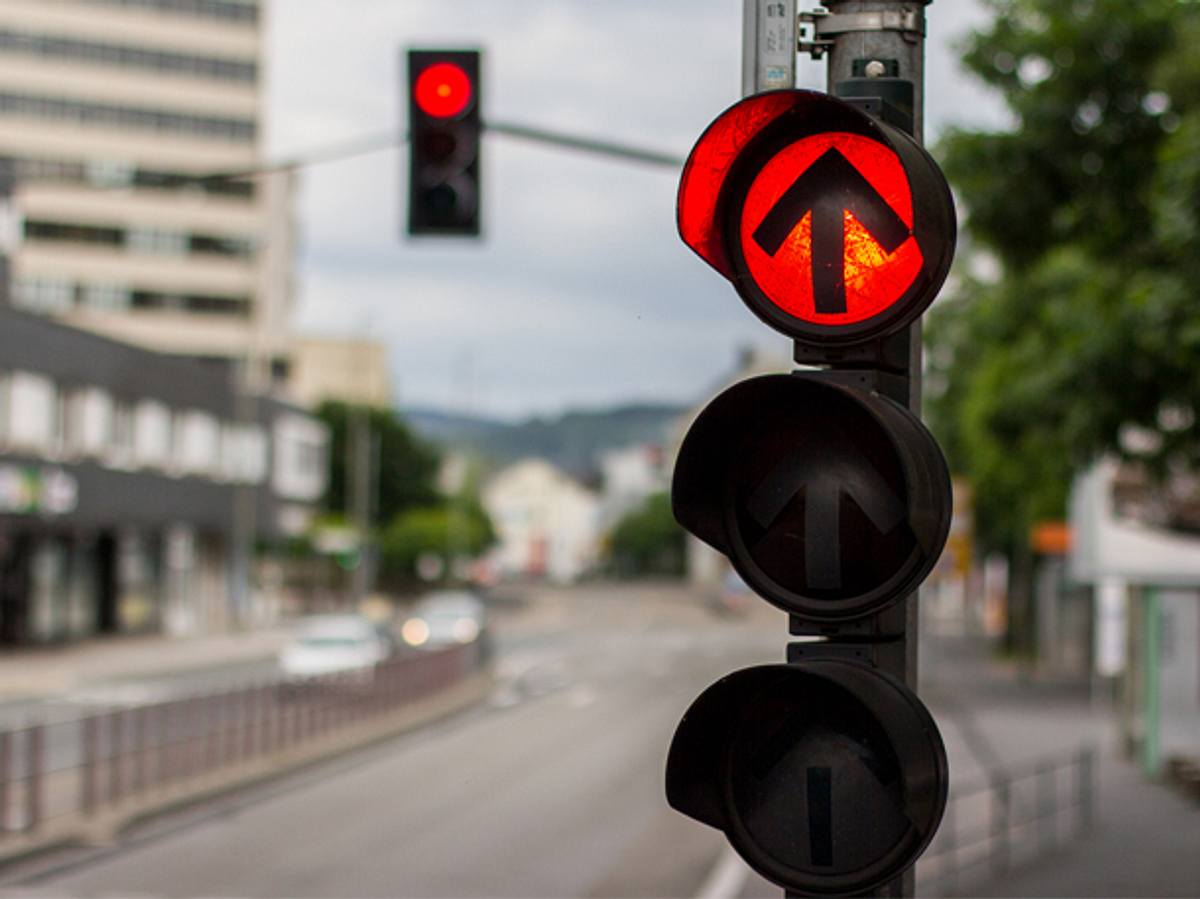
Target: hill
{"x":573,"y":440}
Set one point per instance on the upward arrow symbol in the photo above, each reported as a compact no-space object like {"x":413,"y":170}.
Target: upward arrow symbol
{"x":830,"y":188}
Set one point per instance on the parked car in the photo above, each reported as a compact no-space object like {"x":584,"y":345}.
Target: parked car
{"x":446,"y":618}
{"x":336,"y":644}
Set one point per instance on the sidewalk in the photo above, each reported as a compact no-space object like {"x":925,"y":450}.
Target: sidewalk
{"x":1146,"y":843}
{"x":42,"y":672}
{"x":1146,"y":839}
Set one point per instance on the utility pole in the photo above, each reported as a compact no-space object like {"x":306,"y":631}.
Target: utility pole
{"x":358,"y":492}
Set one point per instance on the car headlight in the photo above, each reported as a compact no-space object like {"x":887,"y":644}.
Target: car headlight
{"x":465,"y":630}
{"x":415,"y":632}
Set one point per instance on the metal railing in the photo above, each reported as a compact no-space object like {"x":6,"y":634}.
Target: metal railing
{"x":67,"y":772}
{"x":1008,"y":818}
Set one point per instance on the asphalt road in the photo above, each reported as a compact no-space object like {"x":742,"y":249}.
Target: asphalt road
{"x":554,"y":788}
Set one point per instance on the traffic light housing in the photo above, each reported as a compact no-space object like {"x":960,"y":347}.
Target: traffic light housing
{"x":444,"y":141}
{"x":825,"y":491}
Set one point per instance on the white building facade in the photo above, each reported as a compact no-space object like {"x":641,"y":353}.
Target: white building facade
{"x":109,"y":109}
{"x":548,"y":525}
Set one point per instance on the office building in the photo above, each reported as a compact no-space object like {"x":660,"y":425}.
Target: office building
{"x":109,"y":110}
{"x":137,"y":488}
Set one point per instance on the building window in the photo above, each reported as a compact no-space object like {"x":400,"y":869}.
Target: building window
{"x":105,"y":297}
{"x":34,"y":421}
{"x":121,"y":449}
{"x":108,"y":172}
{"x":106,"y":115}
{"x":45,"y":296}
{"x":245,"y":11}
{"x":89,"y":430}
{"x":152,"y":434}
{"x":71,"y":233}
{"x":116,"y":173}
{"x":243,"y":453}
{"x":160,"y":241}
{"x":94,"y":52}
{"x":197,"y":443}
{"x":193,"y":303}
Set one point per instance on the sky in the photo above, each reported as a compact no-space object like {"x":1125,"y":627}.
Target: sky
{"x":580,"y":293}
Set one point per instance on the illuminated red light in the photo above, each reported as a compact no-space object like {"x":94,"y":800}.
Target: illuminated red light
{"x":443,"y":90}
{"x":873,"y":278}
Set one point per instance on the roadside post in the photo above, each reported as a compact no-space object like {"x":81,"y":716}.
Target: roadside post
{"x":822,"y":486}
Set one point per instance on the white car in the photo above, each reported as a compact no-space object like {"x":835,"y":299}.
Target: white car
{"x":335,"y":644}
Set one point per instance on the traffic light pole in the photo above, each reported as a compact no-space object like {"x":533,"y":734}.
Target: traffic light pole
{"x":875,"y":51}
{"x":822,"y":487}
{"x":886,"y":56}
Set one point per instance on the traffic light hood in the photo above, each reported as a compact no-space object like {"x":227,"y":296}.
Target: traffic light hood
{"x":805,"y":164}
{"x":826,"y":774}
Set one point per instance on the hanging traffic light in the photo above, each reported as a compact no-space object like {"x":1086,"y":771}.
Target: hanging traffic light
{"x":444,"y":133}
{"x":828,"y":495}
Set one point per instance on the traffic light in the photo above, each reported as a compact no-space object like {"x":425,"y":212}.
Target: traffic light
{"x":444,"y":131}
{"x":828,"y":495}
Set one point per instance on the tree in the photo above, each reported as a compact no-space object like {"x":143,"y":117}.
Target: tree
{"x":450,"y":530}
{"x":407,"y":464}
{"x":1090,"y":209}
{"x":648,"y":541}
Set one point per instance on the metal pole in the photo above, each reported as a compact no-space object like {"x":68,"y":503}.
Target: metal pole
{"x":37,"y":766}
{"x":768,"y":45}
{"x":358,"y":491}
{"x":865,"y":39}
{"x":5,"y":778}
{"x":1152,"y":631}
{"x":883,"y":40}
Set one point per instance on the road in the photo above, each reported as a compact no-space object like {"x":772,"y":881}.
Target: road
{"x":554,"y":788}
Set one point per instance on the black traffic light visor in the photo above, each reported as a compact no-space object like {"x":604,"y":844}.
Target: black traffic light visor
{"x":781,"y":158}
{"x":832,"y":502}
{"x":828,"y":777}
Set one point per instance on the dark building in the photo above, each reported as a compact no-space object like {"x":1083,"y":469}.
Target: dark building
{"x":133,"y":486}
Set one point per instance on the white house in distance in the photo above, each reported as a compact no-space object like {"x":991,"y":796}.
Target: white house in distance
{"x":630,"y":474}
{"x":1146,"y":583}
{"x":548,"y":524}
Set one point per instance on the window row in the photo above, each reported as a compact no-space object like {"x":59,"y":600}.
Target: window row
{"x":75,"y":50}
{"x":159,"y":241}
{"x":48,"y":420}
{"x":57,"y":296}
{"x":228,"y":10}
{"x":115,"y":173}
{"x":239,"y":130}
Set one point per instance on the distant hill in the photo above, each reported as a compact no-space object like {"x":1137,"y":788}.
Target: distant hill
{"x":573,"y":440}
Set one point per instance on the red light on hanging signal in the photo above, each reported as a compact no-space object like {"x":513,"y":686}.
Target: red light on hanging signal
{"x":443,"y":90}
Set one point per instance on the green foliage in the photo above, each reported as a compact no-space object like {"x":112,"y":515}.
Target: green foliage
{"x":648,"y":541}
{"x":447,"y":530}
{"x":407,"y":464}
{"x":1091,"y":208}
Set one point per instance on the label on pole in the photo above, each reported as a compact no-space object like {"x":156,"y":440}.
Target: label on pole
{"x":769,"y":45}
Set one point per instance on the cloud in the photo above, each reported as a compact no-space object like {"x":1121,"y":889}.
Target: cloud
{"x":580,"y":291}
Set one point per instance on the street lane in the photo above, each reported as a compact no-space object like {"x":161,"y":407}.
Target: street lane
{"x":555,"y":789}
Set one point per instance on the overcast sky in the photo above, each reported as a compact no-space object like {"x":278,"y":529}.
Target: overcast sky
{"x":580,"y":294}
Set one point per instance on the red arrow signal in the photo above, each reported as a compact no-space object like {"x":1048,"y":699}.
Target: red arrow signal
{"x":829,"y":189}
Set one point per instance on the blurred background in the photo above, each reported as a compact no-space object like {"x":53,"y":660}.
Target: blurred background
{"x":336,"y":562}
